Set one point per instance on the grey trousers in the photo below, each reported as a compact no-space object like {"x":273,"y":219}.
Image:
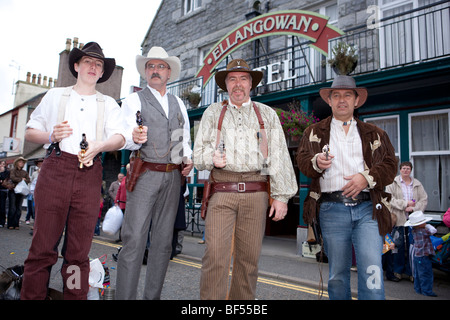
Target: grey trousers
{"x":154,"y":199}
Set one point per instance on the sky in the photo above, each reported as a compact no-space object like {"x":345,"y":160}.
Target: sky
{"x":34,"y":32}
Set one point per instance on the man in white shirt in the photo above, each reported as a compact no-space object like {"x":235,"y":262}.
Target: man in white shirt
{"x":163,"y":141}
{"x":69,"y":186}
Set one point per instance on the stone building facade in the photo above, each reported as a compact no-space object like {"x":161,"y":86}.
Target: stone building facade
{"x":403,"y":60}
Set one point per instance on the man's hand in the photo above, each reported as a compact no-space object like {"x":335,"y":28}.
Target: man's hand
{"x":61,"y":131}
{"x":280,"y":210}
{"x":94,"y":148}
{"x":219,"y":159}
{"x":188,"y":167}
{"x":140,"y":137}
{"x":322,"y":162}
{"x":356,"y":184}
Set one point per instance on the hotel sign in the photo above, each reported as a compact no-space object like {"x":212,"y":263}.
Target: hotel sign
{"x":305,"y":24}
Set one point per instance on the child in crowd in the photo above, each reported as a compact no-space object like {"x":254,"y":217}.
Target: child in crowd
{"x":423,"y":249}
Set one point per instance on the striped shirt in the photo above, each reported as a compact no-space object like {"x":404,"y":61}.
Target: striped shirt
{"x":348,"y":157}
{"x":407,"y":189}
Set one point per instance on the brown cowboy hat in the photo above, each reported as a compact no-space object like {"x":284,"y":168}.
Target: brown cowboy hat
{"x":92,"y":49}
{"x":237,"y":65}
{"x":344,"y":83}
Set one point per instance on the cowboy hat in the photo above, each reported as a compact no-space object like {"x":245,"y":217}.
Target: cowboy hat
{"x":416,"y":218}
{"x":342,"y":82}
{"x":92,"y":49}
{"x":18,"y":159}
{"x":158,"y":53}
{"x":237,"y":65}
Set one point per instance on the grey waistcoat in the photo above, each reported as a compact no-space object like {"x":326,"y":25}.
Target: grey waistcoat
{"x":165,"y":135}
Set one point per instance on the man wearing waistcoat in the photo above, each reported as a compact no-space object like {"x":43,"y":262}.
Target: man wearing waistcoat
{"x":68,"y":190}
{"x":163,"y":142}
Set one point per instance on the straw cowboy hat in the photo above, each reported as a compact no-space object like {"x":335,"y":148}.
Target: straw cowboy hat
{"x":18,"y":159}
{"x":417,"y":218}
{"x":344,"y":83}
{"x":158,"y":53}
{"x":237,"y":65}
{"x":92,"y":49}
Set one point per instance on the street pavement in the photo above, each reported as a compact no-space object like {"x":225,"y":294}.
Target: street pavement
{"x":283,"y":273}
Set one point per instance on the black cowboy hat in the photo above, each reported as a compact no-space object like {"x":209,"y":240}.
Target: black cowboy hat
{"x":92,"y":49}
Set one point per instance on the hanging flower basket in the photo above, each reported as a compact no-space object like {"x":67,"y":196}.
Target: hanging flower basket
{"x":294,"y":121}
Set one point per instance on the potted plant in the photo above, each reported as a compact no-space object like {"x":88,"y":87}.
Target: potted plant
{"x":344,"y":58}
{"x":294,"y":121}
{"x":192,"y":95}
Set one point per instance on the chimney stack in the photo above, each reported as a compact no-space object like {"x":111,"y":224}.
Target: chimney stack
{"x":68,"y":44}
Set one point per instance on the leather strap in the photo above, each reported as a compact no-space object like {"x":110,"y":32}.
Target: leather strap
{"x":240,"y":187}
{"x":161,"y":167}
{"x":219,"y":125}
{"x":261,"y":135}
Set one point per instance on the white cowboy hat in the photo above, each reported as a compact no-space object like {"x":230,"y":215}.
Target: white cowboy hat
{"x":158,"y":53}
{"x":417,"y":218}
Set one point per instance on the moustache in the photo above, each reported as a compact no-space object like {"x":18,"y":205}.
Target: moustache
{"x":155,"y":75}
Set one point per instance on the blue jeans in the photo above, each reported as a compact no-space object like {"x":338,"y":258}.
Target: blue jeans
{"x":401,"y":258}
{"x":423,"y":276}
{"x":341,"y":227}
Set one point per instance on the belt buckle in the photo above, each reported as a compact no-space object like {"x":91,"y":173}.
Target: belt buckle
{"x":241,"y":187}
{"x":167,"y":167}
{"x":350,"y":204}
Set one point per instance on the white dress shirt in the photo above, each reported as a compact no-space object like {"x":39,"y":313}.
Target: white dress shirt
{"x":348,"y":156}
{"x":81,"y":114}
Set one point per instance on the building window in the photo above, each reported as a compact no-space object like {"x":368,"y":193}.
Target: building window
{"x":191,"y":5}
{"x":430,"y":153}
{"x":415,"y":36}
{"x":390,"y":125}
{"x":13,"y":128}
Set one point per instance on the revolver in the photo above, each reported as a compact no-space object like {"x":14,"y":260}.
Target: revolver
{"x":139,"y":120}
{"x":83,"y":145}
{"x":221,"y":146}
{"x":326,"y":150}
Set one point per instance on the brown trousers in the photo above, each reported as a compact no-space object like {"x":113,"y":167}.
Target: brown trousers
{"x":67,"y":199}
{"x":234,"y":229}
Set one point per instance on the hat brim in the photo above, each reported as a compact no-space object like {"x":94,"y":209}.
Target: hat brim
{"x":425,"y":220}
{"x":19,"y":159}
{"x":109,"y":64}
{"x":362,"y":94}
{"x":220,"y":77}
{"x":173,"y":62}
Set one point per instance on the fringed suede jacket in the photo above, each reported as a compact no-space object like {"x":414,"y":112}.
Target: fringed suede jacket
{"x":380,"y":163}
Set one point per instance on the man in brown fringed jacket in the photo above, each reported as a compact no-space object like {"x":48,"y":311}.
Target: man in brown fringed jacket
{"x":350,"y":163}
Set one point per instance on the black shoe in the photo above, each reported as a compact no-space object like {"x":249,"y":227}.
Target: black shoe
{"x":395,"y":279}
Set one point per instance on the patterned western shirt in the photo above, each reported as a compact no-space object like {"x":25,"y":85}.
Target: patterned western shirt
{"x":422,"y":241}
{"x":240,"y":132}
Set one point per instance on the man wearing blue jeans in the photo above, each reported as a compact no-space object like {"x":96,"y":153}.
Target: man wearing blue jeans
{"x":349,"y":163}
